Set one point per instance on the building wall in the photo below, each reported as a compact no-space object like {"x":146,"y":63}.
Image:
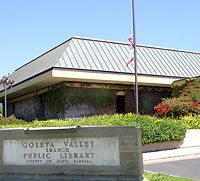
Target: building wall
{"x":25,"y":109}
{"x":75,"y":100}
{"x":69,"y":102}
{"x":150,"y":97}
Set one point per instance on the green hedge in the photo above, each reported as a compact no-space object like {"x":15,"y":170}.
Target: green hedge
{"x":190,"y":122}
{"x":153,"y":129}
{"x":11,"y":121}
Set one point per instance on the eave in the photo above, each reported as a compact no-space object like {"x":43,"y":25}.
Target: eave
{"x":57,"y":75}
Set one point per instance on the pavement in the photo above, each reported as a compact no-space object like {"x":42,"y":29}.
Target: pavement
{"x":189,"y":168}
{"x":171,"y":155}
{"x":181,"y":162}
{"x":188,"y":150}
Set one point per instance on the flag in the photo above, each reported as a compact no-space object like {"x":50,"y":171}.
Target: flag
{"x":131,"y":41}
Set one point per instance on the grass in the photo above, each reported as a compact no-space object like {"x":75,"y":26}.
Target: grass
{"x":161,"y":177}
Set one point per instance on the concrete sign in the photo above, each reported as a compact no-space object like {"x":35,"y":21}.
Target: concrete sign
{"x":71,"y":153}
{"x":62,"y":151}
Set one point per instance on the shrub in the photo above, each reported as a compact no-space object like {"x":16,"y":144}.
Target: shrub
{"x":191,"y":122}
{"x":11,"y":120}
{"x":176,"y":107}
{"x":153,"y":129}
{"x":190,"y":85}
{"x":186,"y":100}
{"x":159,"y":130}
{"x":164,"y":108}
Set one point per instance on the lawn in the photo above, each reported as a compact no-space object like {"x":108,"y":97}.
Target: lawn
{"x":161,"y":177}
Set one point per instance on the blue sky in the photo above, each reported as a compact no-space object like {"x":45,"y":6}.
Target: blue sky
{"x":29,"y":28}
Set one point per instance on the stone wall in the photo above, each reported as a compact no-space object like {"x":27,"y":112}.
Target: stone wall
{"x":68,"y":100}
{"x":26,"y":109}
{"x":150,"y":97}
{"x":78,"y":100}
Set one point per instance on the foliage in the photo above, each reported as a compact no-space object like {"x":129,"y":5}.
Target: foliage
{"x":164,"y":108}
{"x":64,"y":96}
{"x":150,"y":97}
{"x":54,"y":99}
{"x":190,"y":85}
{"x":153,"y":129}
{"x":1,"y":110}
{"x":95,"y":97}
{"x":11,"y":120}
{"x":186,"y":100}
{"x":190,"y":122}
{"x":161,"y":177}
{"x":178,"y":106}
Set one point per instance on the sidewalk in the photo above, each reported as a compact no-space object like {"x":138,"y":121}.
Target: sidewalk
{"x":171,"y":155}
{"x":188,"y":150}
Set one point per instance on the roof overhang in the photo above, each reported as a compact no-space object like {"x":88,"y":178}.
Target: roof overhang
{"x":56,"y":75}
{"x":112,"y":78}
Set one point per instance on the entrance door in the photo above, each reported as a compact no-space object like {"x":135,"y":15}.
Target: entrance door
{"x":120,"y":108}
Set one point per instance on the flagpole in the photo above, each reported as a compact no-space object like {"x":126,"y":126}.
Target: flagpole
{"x":135,"y":61}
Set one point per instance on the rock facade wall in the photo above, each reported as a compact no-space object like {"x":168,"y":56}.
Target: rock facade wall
{"x":72,"y":101}
{"x":150,"y":97}
{"x":26,"y":109}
